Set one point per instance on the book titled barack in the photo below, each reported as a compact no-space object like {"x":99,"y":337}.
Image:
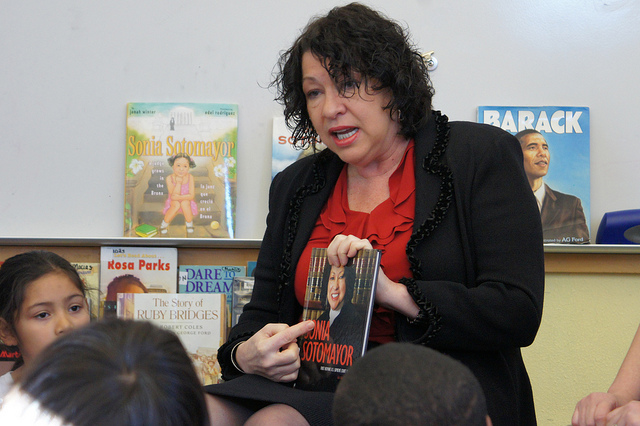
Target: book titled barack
{"x":555,"y":142}
{"x":340,"y":300}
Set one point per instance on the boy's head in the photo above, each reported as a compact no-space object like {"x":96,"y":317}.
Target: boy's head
{"x":408,"y":384}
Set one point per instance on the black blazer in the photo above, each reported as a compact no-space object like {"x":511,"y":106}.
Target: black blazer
{"x":347,"y":328}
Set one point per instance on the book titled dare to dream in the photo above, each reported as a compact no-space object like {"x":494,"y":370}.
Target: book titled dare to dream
{"x":210,"y":279}
{"x":340,"y":300}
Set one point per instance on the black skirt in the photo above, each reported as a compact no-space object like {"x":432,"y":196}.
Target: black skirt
{"x":255,"y":392}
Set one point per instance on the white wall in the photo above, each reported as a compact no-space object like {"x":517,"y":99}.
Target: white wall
{"x":68,"y":68}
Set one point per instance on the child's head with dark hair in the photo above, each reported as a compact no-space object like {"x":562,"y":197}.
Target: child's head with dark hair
{"x":41,"y":297}
{"x":116,"y":372}
{"x":171,"y":160}
{"x":354,"y":42}
{"x":409,"y":384}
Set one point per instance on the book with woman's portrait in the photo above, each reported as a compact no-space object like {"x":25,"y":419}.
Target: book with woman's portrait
{"x":340,"y":300}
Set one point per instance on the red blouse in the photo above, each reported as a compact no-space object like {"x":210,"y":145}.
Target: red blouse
{"x":388,"y":228}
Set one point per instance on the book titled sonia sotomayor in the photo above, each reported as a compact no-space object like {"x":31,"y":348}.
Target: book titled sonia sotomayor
{"x":180,"y":171}
{"x":340,"y":300}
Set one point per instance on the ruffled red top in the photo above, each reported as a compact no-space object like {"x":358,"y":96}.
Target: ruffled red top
{"x":388,"y":228}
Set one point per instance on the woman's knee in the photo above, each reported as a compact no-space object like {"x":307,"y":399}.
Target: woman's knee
{"x":277,"y":414}
{"x":224,"y":412}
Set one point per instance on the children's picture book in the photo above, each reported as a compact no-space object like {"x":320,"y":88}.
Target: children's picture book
{"x":210,"y":279}
{"x":180,"y":171}
{"x":555,"y":143}
{"x":242,"y":290}
{"x":283,"y":152}
{"x":90,"y":274}
{"x":340,"y":300}
{"x":135,"y":270}
{"x":9,"y":353}
{"x":199,"y":320}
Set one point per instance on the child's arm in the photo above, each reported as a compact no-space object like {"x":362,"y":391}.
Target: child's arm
{"x":176,"y":194}
{"x":192,"y":188}
{"x":171,"y":186}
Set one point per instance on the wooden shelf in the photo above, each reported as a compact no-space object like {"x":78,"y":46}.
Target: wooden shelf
{"x":191,"y":251}
{"x":127,"y":241}
{"x":592,"y":259}
{"x":588,"y":258}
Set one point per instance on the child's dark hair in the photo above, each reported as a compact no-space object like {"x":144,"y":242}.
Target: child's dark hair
{"x":409,"y":384}
{"x":19,"y":271}
{"x":173,"y":159}
{"x":118,"y":372}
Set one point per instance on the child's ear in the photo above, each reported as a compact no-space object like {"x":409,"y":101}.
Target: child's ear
{"x":6,"y":333}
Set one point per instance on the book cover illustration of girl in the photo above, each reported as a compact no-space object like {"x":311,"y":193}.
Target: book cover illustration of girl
{"x":181,"y":189}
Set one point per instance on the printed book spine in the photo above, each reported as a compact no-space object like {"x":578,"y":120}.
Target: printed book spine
{"x":242,"y":290}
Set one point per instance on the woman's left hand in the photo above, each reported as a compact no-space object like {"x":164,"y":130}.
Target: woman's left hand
{"x":344,"y":247}
{"x":389,"y":294}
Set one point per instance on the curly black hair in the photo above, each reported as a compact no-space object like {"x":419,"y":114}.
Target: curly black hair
{"x":355,"y":39}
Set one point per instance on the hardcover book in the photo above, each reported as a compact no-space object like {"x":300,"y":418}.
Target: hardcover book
{"x":199,"y":320}
{"x":242,"y":290}
{"x":180,"y":171}
{"x":9,"y":353}
{"x":90,"y":274}
{"x":340,"y":300}
{"x":283,"y":153}
{"x":210,"y":279}
{"x":555,"y":142}
{"x":135,"y":270}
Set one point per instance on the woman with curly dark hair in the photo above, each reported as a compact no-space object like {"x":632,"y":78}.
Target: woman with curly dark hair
{"x":447,"y":203}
